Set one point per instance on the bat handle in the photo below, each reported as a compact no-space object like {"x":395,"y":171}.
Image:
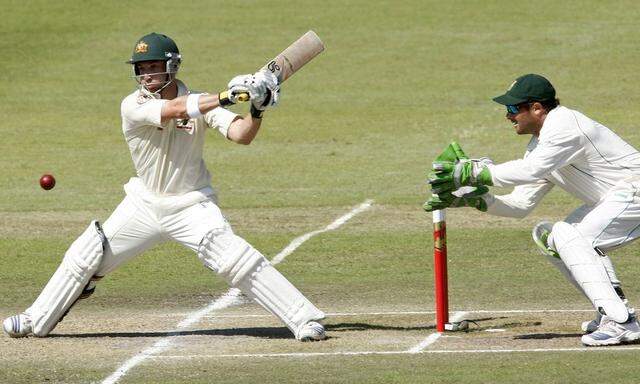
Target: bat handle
{"x":243,"y":97}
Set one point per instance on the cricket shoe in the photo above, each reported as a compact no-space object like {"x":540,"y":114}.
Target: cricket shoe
{"x":540,"y":234}
{"x":17,"y":325}
{"x":311,"y":331}
{"x":590,"y":326}
{"x":611,"y":333}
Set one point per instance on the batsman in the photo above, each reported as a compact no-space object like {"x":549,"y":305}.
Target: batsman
{"x":171,"y":198}
{"x":579,"y":155}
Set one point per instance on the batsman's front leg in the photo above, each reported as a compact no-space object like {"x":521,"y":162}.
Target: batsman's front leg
{"x":247,"y":269}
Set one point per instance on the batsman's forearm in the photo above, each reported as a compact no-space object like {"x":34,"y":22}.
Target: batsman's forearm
{"x":244,"y":130}
{"x":177,"y":108}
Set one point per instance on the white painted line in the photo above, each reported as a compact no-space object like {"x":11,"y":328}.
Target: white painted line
{"x":532,"y":311}
{"x":386,"y":313}
{"x":295,"y":243}
{"x":432,"y":338}
{"x":495,"y":330}
{"x":335,"y":314}
{"x":428,"y":351}
{"x":294,"y":354}
{"x":231,"y":298}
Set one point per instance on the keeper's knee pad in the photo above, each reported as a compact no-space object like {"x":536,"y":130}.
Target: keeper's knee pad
{"x":247,"y":269}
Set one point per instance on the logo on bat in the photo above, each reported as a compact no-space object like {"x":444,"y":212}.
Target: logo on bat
{"x":273,"y":67}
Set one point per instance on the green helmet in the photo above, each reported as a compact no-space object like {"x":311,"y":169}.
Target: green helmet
{"x":155,"y":46}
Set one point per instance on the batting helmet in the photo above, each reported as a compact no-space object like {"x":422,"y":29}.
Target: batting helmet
{"x":156,"y":46}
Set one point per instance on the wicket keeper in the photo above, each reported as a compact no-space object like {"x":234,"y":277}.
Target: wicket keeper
{"x":581,"y":156}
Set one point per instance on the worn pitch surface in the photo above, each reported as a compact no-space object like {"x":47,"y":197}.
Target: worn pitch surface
{"x":362,"y":121}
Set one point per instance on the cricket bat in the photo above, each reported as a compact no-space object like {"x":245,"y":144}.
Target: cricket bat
{"x":294,"y":57}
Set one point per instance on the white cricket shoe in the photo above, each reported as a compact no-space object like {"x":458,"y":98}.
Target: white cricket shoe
{"x":311,"y":331}
{"x":590,"y":326}
{"x":611,"y":333}
{"x":17,"y":325}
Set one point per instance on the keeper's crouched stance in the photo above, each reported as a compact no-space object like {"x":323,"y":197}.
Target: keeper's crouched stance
{"x":171,"y":198}
{"x":579,"y":155}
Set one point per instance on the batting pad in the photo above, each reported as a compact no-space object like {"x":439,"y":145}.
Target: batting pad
{"x":248,"y":270}
{"x":587,"y":269}
{"x":79,"y":264}
{"x":608,"y":265}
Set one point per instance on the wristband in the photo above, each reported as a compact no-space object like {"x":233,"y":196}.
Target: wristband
{"x":223,"y":99}
{"x":193,"y":107}
{"x":256,"y":113}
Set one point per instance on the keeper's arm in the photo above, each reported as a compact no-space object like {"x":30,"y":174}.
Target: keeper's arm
{"x":520,"y":202}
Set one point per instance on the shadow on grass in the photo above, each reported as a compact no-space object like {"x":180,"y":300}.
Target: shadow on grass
{"x":348,"y":327}
{"x":261,"y":332}
{"x":547,"y":336}
{"x":284,"y":333}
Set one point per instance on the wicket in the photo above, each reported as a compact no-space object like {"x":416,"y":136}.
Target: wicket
{"x":440,"y":269}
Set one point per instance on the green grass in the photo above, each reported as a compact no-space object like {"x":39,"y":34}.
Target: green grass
{"x":397,"y":82}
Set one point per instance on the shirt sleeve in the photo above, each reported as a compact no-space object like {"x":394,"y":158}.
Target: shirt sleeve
{"x":220,"y":119}
{"x":136,"y":114}
{"x":520,"y":202}
{"x":559,"y":145}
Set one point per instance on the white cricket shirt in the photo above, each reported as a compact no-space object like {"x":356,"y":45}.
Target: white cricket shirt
{"x":168,"y":157}
{"x":574,"y":152}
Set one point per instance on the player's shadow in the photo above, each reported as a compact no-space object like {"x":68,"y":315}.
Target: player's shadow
{"x":349,"y":327}
{"x":478,"y":326}
{"x":259,"y":332}
{"x":547,"y":336}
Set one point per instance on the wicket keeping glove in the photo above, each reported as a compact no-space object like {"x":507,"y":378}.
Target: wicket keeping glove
{"x":448,"y":177}
{"x":464,"y":197}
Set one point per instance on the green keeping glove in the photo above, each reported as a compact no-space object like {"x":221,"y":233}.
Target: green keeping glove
{"x":453,"y":169}
{"x":472,"y":198}
{"x":452,"y":153}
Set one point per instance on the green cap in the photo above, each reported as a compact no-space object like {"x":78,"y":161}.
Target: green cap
{"x":527,"y":88}
{"x":154,"y":46}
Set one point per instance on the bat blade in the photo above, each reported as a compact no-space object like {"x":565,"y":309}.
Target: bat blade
{"x":294,"y":57}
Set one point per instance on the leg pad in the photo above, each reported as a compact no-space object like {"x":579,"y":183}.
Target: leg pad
{"x":80,"y":262}
{"x":588,"y":270}
{"x":247,"y":269}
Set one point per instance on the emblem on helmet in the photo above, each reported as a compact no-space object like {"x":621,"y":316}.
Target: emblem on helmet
{"x":142,"y":47}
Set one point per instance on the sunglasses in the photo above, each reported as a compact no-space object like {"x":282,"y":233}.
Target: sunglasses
{"x":513,"y":109}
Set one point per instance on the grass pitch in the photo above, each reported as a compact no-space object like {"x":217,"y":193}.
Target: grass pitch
{"x":397,"y":82}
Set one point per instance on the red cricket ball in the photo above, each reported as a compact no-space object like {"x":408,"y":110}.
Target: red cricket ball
{"x":47,"y":182}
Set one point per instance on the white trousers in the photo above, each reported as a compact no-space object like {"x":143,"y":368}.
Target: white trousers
{"x":136,"y":226}
{"x":193,"y":220}
{"x":614,"y":221}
